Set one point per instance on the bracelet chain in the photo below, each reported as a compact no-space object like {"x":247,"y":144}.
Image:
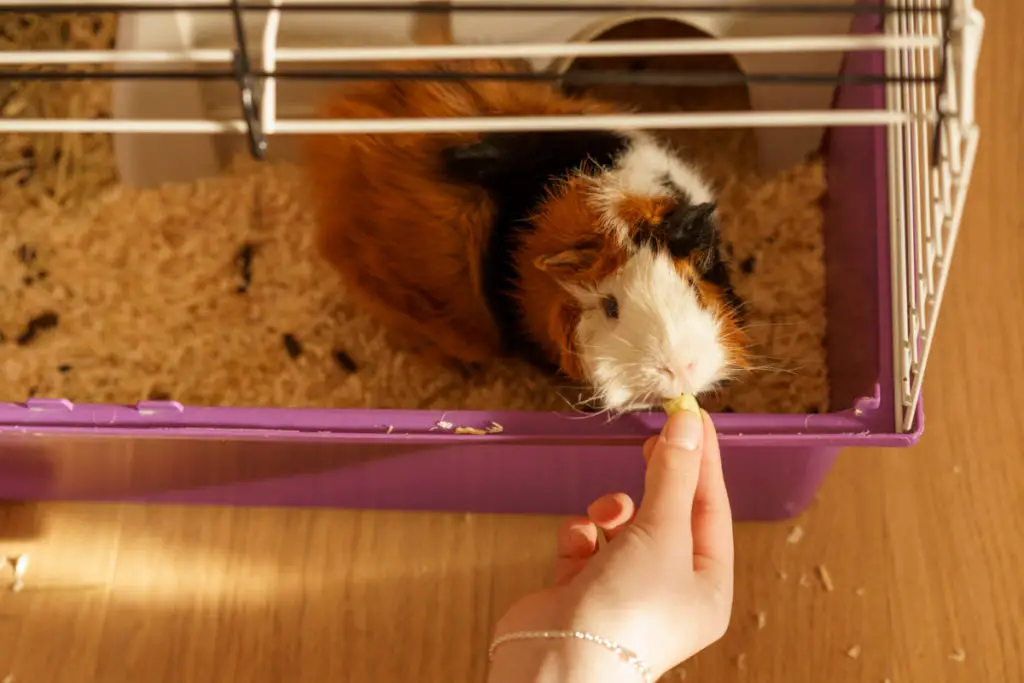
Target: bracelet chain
{"x":621,"y":652}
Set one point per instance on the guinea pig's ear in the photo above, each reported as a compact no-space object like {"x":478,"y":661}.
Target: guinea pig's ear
{"x":571,"y":262}
{"x":692,"y":230}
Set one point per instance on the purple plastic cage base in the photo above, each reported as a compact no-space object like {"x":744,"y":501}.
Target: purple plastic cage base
{"x":542,"y":463}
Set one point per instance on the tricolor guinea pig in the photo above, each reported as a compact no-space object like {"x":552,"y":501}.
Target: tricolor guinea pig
{"x":592,"y":254}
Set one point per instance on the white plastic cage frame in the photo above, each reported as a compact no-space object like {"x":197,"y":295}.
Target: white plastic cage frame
{"x":931,"y":53}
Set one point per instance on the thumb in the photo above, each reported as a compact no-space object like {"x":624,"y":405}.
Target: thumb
{"x":672,"y":474}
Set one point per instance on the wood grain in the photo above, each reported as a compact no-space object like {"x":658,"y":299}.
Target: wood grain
{"x":933,"y":537}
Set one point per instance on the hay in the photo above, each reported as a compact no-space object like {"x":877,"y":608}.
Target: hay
{"x":145,"y":284}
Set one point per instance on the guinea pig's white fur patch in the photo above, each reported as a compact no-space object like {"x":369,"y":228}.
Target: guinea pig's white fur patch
{"x":643,"y":170}
{"x":663,"y":343}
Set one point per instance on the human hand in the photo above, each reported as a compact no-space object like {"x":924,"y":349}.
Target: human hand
{"x":662,"y":586}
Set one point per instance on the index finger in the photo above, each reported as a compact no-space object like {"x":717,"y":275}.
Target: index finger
{"x":713,"y":550}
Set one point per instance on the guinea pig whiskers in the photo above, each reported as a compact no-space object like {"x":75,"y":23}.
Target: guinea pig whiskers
{"x":630,"y":344}
{"x":765,"y":363}
{"x":584,"y":415}
{"x":773,"y":322}
{"x":772,"y":368}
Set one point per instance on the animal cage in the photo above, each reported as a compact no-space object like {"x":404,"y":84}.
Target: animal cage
{"x":885,"y":92}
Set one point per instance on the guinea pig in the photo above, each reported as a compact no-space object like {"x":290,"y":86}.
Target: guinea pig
{"x":594,"y":254}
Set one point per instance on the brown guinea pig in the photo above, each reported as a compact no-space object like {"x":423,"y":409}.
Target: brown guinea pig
{"x":592,"y":253}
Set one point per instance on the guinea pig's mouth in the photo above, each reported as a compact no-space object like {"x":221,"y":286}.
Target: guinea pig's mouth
{"x":621,"y":388}
{"x":611,"y":403}
{"x":626,"y":409}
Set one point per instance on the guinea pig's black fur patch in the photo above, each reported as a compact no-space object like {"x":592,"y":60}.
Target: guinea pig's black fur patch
{"x":718,"y":274}
{"x":690,"y":229}
{"x":686,"y":229}
{"x":517,"y":170}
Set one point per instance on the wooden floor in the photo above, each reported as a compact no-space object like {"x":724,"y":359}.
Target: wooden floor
{"x":922,"y":544}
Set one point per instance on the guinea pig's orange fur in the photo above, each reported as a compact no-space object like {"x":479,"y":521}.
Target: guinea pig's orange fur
{"x":732,"y":336}
{"x":375,"y":193}
{"x":641,"y":213}
{"x":566,"y":247}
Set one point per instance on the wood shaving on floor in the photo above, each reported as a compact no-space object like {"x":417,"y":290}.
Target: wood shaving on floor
{"x":853,"y":652}
{"x":795,"y":534}
{"x":958,"y":655}
{"x":825,"y":577}
{"x":19,"y":564}
{"x":762,"y":620}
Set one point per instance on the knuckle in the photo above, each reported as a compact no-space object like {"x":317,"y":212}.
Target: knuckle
{"x":722,"y":617}
{"x":721,"y":623}
{"x":719,"y":610}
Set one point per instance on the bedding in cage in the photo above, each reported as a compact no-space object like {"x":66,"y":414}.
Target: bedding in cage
{"x":898,"y":159}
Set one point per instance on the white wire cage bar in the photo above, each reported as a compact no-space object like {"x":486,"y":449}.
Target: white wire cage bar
{"x":620,"y":48}
{"x":273,"y":55}
{"x":931,"y":51}
{"x":929,"y":176}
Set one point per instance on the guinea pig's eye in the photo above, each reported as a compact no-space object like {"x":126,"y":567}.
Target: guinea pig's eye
{"x":611,"y":307}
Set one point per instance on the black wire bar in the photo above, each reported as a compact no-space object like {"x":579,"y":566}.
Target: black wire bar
{"x":605,"y":77}
{"x":883,"y":9}
{"x":947,"y":38}
{"x":244,"y":76}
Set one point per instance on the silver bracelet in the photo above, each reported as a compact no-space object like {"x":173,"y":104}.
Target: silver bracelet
{"x":622,"y":653}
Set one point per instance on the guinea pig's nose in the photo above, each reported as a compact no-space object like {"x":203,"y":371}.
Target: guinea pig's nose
{"x":684,"y":371}
{"x":680,"y":379}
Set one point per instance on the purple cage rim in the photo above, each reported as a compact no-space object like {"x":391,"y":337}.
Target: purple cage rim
{"x":858,"y":426}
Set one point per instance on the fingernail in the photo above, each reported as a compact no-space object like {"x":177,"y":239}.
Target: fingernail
{"x":578,"y":538}
{"x":684,"y":429}
{"x":600,"y":510}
